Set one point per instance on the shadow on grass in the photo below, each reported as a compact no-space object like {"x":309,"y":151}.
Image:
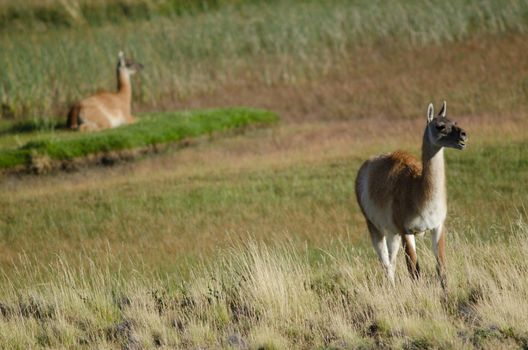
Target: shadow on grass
{"x":33,"y":125}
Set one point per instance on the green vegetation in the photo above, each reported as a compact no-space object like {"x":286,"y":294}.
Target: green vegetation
{"x":44,"y":14}
{"x":151,"y":130}
{"x":267,"y":43}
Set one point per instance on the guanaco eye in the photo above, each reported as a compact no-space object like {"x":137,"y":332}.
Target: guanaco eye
{"x":440,"y":127}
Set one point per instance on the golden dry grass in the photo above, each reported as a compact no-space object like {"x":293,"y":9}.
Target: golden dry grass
{"x":275,"y":297}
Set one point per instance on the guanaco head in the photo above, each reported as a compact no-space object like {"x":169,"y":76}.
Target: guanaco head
{"x":444,"y":132}
{"x":128,"y":65}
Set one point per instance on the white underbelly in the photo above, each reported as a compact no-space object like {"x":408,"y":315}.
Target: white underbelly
{"x":116,"y":119}
{"x":432,"y":216}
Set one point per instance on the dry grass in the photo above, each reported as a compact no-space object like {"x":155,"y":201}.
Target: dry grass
{"x":273,"y":297}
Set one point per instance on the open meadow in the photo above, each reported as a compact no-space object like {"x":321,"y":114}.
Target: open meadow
{"x":241,"y":237}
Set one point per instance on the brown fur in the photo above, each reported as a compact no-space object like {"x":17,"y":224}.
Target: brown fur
{"x":73,"y":117}
{"x":411,"y":258}
{"x":397,"y":178}
{"x":112,"y":102}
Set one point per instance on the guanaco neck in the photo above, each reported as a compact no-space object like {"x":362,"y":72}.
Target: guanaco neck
{"x":433,"y":170}
{"x":124,"y":88}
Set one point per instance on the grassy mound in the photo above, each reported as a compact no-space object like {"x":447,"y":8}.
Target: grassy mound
{"x":153,"y":129}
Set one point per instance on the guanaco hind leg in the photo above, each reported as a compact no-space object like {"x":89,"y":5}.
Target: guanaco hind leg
{"x":411,"y":258}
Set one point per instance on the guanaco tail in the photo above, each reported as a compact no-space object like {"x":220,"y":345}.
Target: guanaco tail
{"x":107,"y":109}
{"x":401,"y":197}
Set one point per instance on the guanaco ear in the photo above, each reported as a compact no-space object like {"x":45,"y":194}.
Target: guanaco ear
{"x":430,"y":113}
{"x":121,"y":56}
{"x":443,"y":110}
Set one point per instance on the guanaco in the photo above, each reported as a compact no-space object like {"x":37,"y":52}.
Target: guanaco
{"x":401,"y":197}
{"x":107,"y":109}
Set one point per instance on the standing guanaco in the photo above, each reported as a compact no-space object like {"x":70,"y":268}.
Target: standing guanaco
{"x":401,"y":197}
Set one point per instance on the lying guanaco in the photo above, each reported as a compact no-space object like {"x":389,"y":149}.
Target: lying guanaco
{"x":107,"y":109}
{"x":401,"y":197}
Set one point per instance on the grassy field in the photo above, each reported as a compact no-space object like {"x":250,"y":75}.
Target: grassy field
{"x":254,"y":240}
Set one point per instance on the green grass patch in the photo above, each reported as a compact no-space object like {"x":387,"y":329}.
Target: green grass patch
{"x":152,"y":129}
